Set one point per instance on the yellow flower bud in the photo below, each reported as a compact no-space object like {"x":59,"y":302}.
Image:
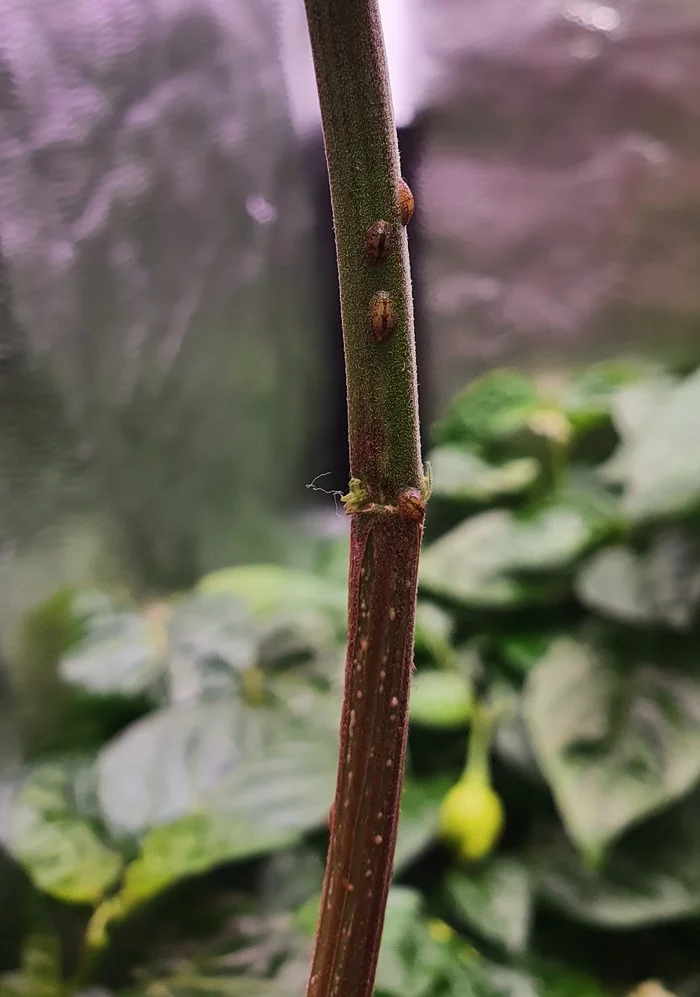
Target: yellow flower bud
{"x":472,"y":818}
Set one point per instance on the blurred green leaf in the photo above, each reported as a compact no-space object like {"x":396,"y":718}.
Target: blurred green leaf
{"x":434,"y":630}
{"x":652,"y":876}
{"x":193,"y":982}
{"x":441,"y":700}
{"x":266,"y":802}
{"x":119,"y":654}
{"x":513,"y":745}
{"x":411,"y":963}
{"x":40,"y":973}
{"x":402,"y":913}
{"x":477,"y":562}
{"x":468,"y":563}
{"x":463,"y":476}
{"x":489,"y":979}
{"x":433,"y":625}
{"x":663,"y":465}
{"x":549,"y":539}
{"x":634,"y":406}
{"x":557,"y":980}
{"x":51,"y":715}
{"x":289,"y":878}
{"x":495,"y":901}
{"x":672,"y":571}
{"x":589,"y":395}
{"x":306,"y":916}
{"x":212,"y":639}
{"x":58,"y":847}
{"x":615,"y":744}
{"x":163,"y":766}
{"x":661,"y":586}
{"x":210,"y":783}
{"x":260,"y":767}
{"x":522,"y":651}
{"x":491,"y":409}
{"x":612,"y":583}
{"x":192,"y":846}
{"x":268,"y":589}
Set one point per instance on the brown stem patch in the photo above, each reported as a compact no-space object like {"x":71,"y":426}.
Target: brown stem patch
{"x":381,"y":607}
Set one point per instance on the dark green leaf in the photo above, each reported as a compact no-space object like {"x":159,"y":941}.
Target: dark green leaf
{"x":495,"y":901}
{"x":490,"y":409}
{"x":556,"y":980}
{"x":441,"y":700}
{"x":59,"y":849}
{"x":52,"y":715}
{"x":40,"y":974}
{"x":463,"y":476}
{"x":523,"y":651}
{"x":614,"y":745}
{"x":420,"y":814}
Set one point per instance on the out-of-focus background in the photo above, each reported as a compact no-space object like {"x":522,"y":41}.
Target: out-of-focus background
{"x":172,"y":554}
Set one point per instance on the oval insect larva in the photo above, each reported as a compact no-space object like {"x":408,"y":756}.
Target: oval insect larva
{"x":378,"y":240}
{"x":411,"y":504}
{"x":381,"y":315}
{"x":407,"y":202}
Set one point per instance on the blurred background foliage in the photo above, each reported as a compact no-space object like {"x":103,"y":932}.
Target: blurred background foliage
{"x":172,"y":598}
{"x":169,"y":763}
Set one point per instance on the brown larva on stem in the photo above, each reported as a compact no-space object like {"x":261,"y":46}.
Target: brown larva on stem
{"x":407,"y":202}
{"x":378,"y":240}
{"x":381,"y":315}
{"x":411,"y":504}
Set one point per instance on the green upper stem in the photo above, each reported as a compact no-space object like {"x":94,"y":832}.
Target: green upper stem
{"x":363,"y":165}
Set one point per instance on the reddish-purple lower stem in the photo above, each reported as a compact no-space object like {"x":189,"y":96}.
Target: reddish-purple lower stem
{"x":383,"y":580}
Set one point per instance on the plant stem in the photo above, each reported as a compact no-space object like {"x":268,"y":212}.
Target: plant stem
{"x":387,"y":494}
{"x":477,"y":766}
